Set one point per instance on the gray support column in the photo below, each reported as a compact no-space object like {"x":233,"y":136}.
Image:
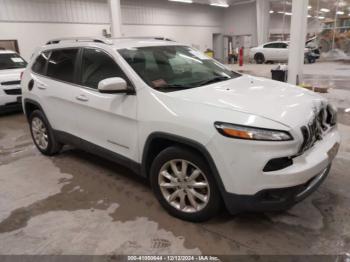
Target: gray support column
{"x":263,"y":20}
{"x":297,"y":40}
{"x":116,"y":20}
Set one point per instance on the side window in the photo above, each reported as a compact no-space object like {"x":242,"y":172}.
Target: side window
{"x":97,"y":66}
{"x":283,"y":45}
{"x":273,"y":45}
{"x":61,"y":64}
{"x":39,"y":65}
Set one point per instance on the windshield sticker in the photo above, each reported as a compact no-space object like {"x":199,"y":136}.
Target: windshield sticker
{"x":17,"y":59}
{"x":159,"y":83}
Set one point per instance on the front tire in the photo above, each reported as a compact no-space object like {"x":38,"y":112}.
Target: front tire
{"x":42,"y":134}
{"x":184,"y":185}
{"x":259,"y":58}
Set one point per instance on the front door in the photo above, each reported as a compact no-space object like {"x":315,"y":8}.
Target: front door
{"x":106,"y":120}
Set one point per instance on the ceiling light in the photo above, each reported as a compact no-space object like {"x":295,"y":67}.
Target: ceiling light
{"x":219,"y":5}
{"x":182,"y":1}
{"x":309,"y":7}
{"x":280,"y":12}
{"x":287,"y":13}
{"x":309,"y":16}
{"x":325,"y":10}
{"x":271,"y":11}
{"x":321,"y":17}
{"x":340,"y":12}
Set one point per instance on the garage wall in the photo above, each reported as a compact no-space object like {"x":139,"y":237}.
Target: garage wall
{"x":276,"y":25}
{"x":192,"y":24}
{"x":32,"y":35}
{"x":68,"y":11}
{"x":241,"y":20}
{"x":33,"y":22}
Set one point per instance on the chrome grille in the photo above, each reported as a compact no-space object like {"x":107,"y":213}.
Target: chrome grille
{"x":315,"y":130}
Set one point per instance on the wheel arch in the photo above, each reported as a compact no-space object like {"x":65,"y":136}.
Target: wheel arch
{"x":158,"y":141}
{"x":30,"y":106}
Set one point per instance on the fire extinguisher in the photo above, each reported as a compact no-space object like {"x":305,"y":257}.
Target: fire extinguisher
{"x":241,"y":56}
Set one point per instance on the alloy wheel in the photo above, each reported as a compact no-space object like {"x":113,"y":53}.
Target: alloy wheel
{"x":40,"y":134}
{"x":184,"y":186}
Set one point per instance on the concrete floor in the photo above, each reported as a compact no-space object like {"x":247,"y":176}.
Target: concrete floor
{"x":76,"y":203}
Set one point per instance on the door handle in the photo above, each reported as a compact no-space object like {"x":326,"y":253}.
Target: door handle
{"x":42,"y":86}
{"x":82,"y":98}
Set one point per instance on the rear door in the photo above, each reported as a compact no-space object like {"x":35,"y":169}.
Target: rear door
{"x":106,"y":120}
{"x":284,"y":51}
{"x":55,"y":85}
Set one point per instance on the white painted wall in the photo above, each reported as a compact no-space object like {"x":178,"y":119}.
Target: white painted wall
{"x":161,"y":12}
{"x":190,"y":24}
{"x":69,"y":11}
{"x":198,"y":37}
{"x":276,"y":25}
{"x":32,"y":35}
{"x":241,"y":20}
{"x":33,"y":22}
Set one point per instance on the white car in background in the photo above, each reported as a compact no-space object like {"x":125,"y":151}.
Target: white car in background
{"x":271,"y":52}
{"x":11,"y":67}
{"x":202,"y":134}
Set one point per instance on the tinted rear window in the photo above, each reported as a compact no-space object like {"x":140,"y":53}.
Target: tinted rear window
{"x":62,"y":64}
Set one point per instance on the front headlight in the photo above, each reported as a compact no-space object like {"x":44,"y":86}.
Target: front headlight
{"x":332,"y":114}
{"x":252,"y":133}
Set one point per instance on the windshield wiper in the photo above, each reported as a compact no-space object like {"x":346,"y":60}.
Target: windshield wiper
{"x":213,"y":80}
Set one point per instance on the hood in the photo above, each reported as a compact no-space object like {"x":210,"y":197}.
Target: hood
{"x":286,"y":104}
{"x":10,"y":74}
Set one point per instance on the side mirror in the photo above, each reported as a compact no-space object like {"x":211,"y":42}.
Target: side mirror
{"x":114,"y":85}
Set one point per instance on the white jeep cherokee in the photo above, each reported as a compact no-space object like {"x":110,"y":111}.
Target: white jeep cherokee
{"x":11,"y":67}
{"x":203,"y":135}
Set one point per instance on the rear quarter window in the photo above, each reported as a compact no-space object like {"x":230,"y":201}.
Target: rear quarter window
{"x":40,"y":63}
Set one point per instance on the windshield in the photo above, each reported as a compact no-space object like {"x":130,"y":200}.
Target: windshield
{"x":173,"y":68}
{"x":11,"y":61}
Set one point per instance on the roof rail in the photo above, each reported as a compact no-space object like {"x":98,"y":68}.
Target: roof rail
{"x":144,"y":37}
{"x":80,"y":39}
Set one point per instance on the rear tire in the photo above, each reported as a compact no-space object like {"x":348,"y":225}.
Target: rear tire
{"x":42,"y":134}
{"x":184,"y":186}
{"x":259,"y":58}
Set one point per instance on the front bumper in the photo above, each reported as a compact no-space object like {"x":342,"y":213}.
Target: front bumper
{"x":240,"y":163}
{"x":9,"y":103}
{"x":246,"y":187}
{"x":10,"y":107}
{"x":274,"y":199}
